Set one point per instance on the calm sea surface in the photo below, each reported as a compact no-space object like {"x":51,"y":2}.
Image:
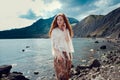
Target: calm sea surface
{"x":30,"y":55}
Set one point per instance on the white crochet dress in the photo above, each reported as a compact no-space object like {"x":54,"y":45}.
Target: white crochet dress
{"x":59,"y":42}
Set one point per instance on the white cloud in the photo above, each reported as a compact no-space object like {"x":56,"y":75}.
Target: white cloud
{"x":14,"y":22}
{"x":41,"y":8}
{"x":102,"y":3}
{"x":10,"y":10}
{"x":14,"y":7}
{"x":103,"y":7}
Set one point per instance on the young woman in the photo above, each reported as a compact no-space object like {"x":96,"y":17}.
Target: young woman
{"x":62,"y":48}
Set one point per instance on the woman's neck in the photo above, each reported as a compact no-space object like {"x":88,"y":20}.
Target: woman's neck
{"x":60,"y":27}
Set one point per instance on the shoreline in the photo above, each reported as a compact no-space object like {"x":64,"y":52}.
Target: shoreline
{"x":105,"y":68}
{"x":109,"y":64}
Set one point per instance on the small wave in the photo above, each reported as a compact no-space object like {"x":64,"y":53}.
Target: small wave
{"x":13,"y":65}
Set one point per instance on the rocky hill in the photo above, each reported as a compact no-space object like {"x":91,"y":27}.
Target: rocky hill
{"x":99,"y":25}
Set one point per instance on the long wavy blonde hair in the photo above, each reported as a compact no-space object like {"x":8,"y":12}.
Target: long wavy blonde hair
{"x":54,"y":24}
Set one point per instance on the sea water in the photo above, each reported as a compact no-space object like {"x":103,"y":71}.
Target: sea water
{"x":35,"y":55}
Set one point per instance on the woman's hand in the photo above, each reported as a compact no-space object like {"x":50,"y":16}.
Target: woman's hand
{"x":64,"y":27}
{"x":58,"y":55}
{"x":59,"y":58}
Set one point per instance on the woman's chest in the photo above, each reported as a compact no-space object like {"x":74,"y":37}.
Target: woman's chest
{"x":60,"y":35}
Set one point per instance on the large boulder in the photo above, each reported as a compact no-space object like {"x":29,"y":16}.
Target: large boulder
{"x":16,"y":76}
{"x":5,"y":74}
{"x":95,"y":63}
{"x":5,"y":69}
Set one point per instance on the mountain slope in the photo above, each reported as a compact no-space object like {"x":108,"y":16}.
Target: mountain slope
{"x":85,"y":27}
{"x":99,"y":26}
{"x":39,"y":29}
{"x":110,"y":25}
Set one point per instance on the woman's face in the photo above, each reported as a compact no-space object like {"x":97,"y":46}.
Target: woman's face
{"x":60,"y":21}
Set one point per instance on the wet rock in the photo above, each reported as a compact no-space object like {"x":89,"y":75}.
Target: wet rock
{"x":36,"y":73}
{"x":17,"y":72}
{"x":53,"y":74}
{"x":95,"y":63}
{"x":27,"y":46}
{"x":96,"y":42}
{"x":103,"y":47}
{"x":73,"y":72}
{"x":16,"y":76}
{"x":81,"y":67}
{"x":77,"y":69}
{"x":23,"y":50}
{"x":5,"y":69}
{"x":5,"y":74}
{"x":72,"y":66}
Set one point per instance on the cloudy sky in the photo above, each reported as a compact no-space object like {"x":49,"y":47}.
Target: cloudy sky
{"x":21,"y":13}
